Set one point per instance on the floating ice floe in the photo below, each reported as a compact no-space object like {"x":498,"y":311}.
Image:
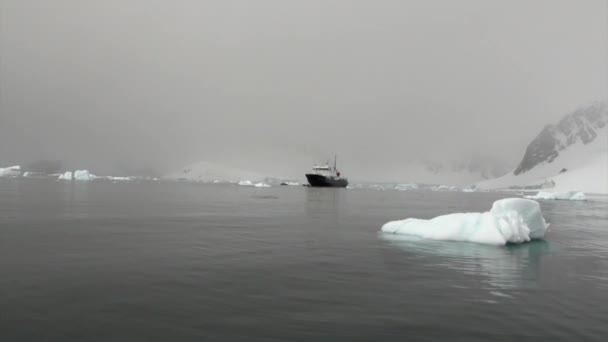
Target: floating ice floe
{"x":511,"y":220}
{"x":262,"y":185}
{"x":290,"y":183}
{"x":120,"y":179}
{"x":567,"y":196}
{"x":245,"y":183}
{"x":12,"y":171}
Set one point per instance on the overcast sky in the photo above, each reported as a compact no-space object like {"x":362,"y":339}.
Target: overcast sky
{"x":278,"y":84}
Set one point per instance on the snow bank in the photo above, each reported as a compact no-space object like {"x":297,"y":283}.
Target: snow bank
{"x":511,"y":220}
{"x":12,"y":171}
{"x":567,"y":196}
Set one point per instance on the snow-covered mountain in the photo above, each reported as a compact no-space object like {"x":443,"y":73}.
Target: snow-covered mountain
{"x":460,"y":172}
{"x":569,"y":155}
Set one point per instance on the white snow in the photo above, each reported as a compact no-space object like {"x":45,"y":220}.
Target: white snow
{"x":586,"y":170}
{"x":11,"y":171}
{"x":568,"y":196}
{"x":511,"y":220}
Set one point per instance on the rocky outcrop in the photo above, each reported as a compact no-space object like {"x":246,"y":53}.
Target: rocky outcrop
{"x":581,"y":126}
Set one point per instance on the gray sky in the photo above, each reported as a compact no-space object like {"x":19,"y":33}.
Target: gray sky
{"x":278,"y":84}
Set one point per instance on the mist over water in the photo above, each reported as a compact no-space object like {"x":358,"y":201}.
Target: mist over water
{"x":151,"y":86}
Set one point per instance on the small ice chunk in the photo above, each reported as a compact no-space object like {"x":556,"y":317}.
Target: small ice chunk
{"x":567,"y":196}
{"x":11,"y":171}
{"x":511,"y":220}
{"x":120,"y":179}
{"x":290,"y":183}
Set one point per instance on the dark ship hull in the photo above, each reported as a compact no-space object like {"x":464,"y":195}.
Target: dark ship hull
{"x":326,"y":182}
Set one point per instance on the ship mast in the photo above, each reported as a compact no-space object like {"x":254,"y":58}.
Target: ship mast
{"x":335,"y":162}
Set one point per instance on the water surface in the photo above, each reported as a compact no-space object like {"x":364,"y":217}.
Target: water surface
{"x":149,"y":261}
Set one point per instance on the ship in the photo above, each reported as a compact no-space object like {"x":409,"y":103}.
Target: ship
{"x":326,"y":177}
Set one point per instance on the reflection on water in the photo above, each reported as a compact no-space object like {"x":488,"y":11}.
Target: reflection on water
{"x":507,"y":267}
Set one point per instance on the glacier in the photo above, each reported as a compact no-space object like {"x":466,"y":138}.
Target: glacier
{"x":510,"y":220}
{"x":12,"y":171}
{"x":567,"y":196}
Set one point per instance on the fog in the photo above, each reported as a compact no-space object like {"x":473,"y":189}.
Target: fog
{"x":276,"y":85}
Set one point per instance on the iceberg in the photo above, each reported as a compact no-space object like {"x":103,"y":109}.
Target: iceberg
{"x":245,"y":183}
{"x":66,"y":176}
{"x":12,"y":171}
{"x":567,"y":196}
{"x":262,"y":185}
{"x":510,"y":220}
{"x":79,"y":175}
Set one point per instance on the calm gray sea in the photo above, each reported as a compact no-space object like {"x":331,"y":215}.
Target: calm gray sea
{"x":104,"y":261}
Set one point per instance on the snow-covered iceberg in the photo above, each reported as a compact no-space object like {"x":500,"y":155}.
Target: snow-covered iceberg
{"x":511,"y":220}
{"x":567,"y":196}
{"x":12,"y":171}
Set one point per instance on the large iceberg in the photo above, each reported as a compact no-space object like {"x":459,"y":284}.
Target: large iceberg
{"x":567,"y":196}
{"x":12,"y":171}
{"x":511,"y":220}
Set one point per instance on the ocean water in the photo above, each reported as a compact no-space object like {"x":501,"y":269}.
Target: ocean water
{"x":104,"y":261}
